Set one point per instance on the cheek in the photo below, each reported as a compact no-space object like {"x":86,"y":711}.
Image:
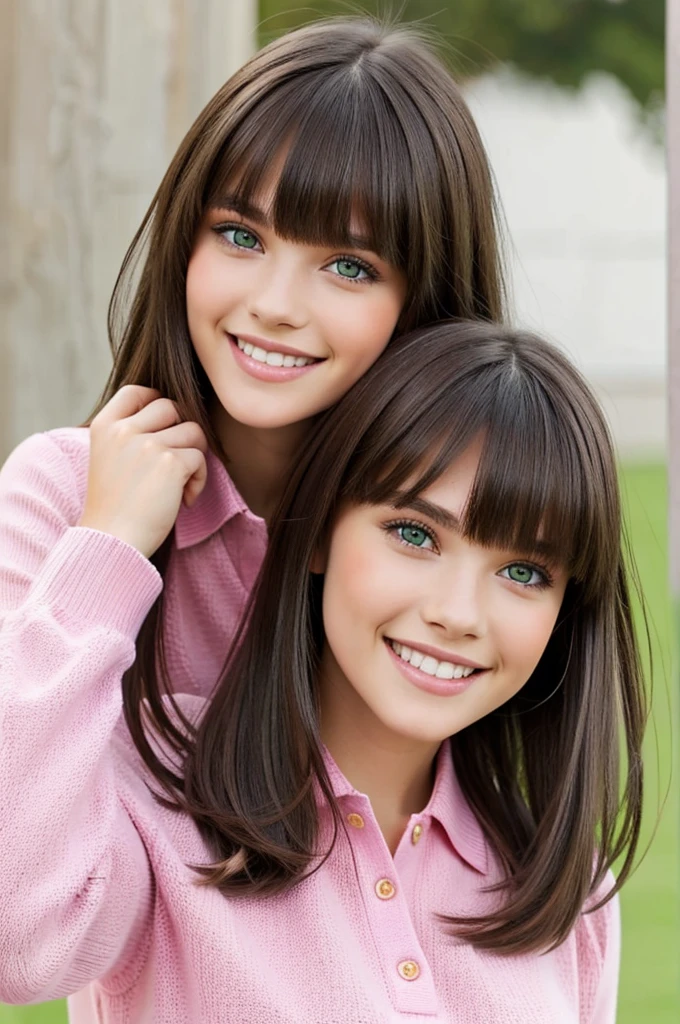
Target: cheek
{"x":204,"y":285}
{"x":360,"y":584}
{"x":364,"y":333}
{"x":526,"y":637}
{"x":350,"y":579}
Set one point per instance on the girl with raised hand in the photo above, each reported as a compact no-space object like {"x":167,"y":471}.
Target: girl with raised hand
{"x":403,"y":800}
{"x":333,"y":194}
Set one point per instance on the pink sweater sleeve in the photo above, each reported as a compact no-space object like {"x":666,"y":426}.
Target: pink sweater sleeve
{"x":75,"y":885}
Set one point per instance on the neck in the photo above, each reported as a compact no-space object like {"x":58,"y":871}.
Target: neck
{"x":258,"y":459}
{"x":396,"y":773}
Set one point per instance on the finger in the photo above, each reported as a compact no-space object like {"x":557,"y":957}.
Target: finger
{"x":126,"y":402}
{"x":196,"y":468}
{"x":183,"y":435}
{"x":156,"y":416}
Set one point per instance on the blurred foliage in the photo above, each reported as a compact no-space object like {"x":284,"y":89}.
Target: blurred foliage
{"x":563,"y":41}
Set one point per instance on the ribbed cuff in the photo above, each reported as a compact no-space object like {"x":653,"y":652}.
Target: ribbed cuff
{"x":96,"y":579}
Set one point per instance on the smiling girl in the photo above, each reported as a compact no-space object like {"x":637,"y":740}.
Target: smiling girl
{"x":403,"y":800}
{"x":332,"y":195}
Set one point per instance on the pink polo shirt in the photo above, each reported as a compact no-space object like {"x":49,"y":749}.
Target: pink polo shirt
{"x":95,"y":890}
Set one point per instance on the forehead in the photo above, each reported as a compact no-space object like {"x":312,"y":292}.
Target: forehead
{"x":461,"y":490}
{"x":322,"y":177}
{"x":259,"y":207}
{"x":451,"y":490}
{"x":262,"y":197}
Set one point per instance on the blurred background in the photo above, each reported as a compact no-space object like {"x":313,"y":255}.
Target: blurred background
{"x":568,"y":96}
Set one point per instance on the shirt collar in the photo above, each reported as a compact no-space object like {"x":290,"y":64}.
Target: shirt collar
{"x":450,"y":807}
{"x":218,"y":502}
{"x":447,"y":804}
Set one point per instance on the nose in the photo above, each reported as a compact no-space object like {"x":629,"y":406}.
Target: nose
{"x":276,"y":298}
{"x":454,"y":605}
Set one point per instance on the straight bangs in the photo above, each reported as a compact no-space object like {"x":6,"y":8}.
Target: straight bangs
{"x":345,"y":174}
{"x":545,"y":485}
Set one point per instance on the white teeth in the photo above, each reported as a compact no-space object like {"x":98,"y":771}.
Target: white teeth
{"x":430,"y":665}
{"x":271,"y":358}
{"x":445,"y":670}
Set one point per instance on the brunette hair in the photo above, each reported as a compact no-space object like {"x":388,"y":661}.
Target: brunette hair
{"x":371,"y":124}
{"x":542,"y":773}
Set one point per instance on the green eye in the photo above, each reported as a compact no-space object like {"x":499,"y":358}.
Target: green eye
{"x":352,"y":269}
{"x":414,"y":535}
{"x":242,"y":238}
{"x":520,"y":573}
{"x":348,"y":269}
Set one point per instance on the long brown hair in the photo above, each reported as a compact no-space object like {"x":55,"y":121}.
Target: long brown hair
{"x":372,"y":125}
{"x":543,"y":772}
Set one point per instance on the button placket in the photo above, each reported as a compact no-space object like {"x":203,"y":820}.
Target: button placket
{"x":396,"y":943}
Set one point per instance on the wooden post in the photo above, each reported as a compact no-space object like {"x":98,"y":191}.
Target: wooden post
{"x":96,"y":95}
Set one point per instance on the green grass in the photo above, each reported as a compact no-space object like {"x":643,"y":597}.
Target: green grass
{"x":649,"y":987}
{"x":45,"y":1013}
{"x":650,"y":980}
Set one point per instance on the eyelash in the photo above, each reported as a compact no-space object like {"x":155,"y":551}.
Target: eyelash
{"x":544,"y":582}
{"x":362,"y":264}
{"x":370,"y":271}
{"x":220,"y":230}
{"x":397,"y":524}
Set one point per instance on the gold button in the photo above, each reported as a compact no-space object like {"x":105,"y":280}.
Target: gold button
{"x":355,"y":820}
{"x":416,"y":834}
{"x":408,"y":969}
{"x":385,"y":889}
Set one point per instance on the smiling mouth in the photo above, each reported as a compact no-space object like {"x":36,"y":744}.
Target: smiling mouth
{"x":429,"y":665}
{"x":261,"y":355}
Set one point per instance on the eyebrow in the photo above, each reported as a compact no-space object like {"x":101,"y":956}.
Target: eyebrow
{"x":249,"y":210}
{"x":243,"y":207}
{"x":437,"y":513}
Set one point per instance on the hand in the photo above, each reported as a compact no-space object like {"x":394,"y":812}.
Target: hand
{"x":144,"y":461}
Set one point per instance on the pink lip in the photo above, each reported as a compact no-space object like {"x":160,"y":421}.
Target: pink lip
{"x":262,"y":371}
{"x":438,"y":687}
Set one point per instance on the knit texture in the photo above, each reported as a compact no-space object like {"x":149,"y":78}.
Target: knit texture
{"x":95,"y":889}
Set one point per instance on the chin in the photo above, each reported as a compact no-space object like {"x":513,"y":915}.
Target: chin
{"x":418,"y":731}
{"x":259,"y":417}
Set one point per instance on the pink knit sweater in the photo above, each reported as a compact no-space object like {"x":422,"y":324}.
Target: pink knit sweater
{"x":94,"y":885}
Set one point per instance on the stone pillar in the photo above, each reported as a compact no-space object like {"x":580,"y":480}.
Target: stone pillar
{"x":96,"y":95}
{"x":673,"y":130}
